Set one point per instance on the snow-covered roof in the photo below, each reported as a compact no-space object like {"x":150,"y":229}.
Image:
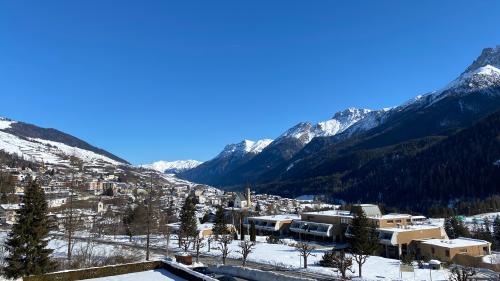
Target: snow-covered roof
{"x":408,"y":228}
{"x":418,"y":217}
{"x":455,"y":243}
{"x":277,"y":217}
{"x":11,"y":206}
{"x":330,"y":213}
{"x":391,"y":216}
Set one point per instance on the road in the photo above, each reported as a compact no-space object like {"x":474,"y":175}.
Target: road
{"x":209,"y":260}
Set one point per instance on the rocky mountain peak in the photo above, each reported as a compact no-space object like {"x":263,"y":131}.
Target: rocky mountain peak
{"x":489,"y":56}
{"x":244,"y":147}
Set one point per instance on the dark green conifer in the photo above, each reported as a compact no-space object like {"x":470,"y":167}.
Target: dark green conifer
{"x":27,"y":241}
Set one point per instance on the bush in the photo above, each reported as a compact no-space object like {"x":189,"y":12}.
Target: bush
{"x":408,"y":259}
{"x":327,"y":259}
{"x":271,"y":239}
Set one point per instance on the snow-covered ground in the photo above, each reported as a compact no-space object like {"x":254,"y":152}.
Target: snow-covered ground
{"x":375,"y":268}
{"x":286,"y":256}
{"x":157,"y":275}
{"x":280,"y":255}
{"x":481,"y":217}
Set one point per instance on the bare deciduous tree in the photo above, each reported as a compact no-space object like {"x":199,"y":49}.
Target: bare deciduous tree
{"x":199,"y":244}
{"x":305,"y":250}
{"x":223,"y":245}
{"x":461,"y":273}
{"x":210,"y":239}
{"x":246,"y":247}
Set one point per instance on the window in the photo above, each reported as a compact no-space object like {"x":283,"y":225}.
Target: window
{"x":485,"y":249}
{"x":408,"y":220}
{"x":398,"y":221}
{"x":432,"y":250}
{"x":463,"y":250}
{"x":390,"y":221}
{"x":447,"y":253}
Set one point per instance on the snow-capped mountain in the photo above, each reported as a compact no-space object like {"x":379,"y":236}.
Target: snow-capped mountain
{"x":50,"y":146}
{"x":172,"y":167}
{"x":244,"y":147}
{"x":341,"y":121}
{"x":482,"y":77}
{"x":471,"y":96}
{"x":266,"y":154}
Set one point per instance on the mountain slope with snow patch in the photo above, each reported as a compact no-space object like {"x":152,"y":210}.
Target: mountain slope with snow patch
{"x":172,"y":167}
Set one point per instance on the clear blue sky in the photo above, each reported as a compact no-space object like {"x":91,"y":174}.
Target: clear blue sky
{"x":151,"y":80}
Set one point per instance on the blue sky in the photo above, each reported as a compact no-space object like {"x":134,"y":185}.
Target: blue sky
{"x":151,"y":80}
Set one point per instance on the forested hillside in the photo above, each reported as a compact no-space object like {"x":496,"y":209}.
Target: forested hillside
{"x":416,"y":174}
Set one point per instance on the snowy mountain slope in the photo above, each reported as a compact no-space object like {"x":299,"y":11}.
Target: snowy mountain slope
{"x":38,"y":150}
{"x":233,"y":163}
{"x":471,"y":96}
{"x":341,"y":121}
{"x":244,"y":147}
{"x":230,"y":158}
{"x":28,"y":141}
{"x":5,"y":123}
{"x":172,"y":167}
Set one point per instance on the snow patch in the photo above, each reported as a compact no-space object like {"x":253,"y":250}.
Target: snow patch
{"x":5,"y":123}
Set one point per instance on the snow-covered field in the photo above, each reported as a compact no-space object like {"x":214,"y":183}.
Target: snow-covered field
{"x":280,"y":255}
{"x":376,"y":268}
{"x":285,"y":256}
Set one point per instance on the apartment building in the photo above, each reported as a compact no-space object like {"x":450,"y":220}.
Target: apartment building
{"x":401,"y":240}
{"x":323,"y":225}
{"x":8,"y":213}
{"x":278,"y":225}
{"x":449,"y":250}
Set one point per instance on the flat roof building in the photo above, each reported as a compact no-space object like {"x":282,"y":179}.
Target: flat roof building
{"x":448,"y":250}
{"x":275,"y":224}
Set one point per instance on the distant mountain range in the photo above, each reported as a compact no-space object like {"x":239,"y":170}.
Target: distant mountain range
{"x":172,"y":167}
{"x":438,"y":147}
{"x":321,"y":158}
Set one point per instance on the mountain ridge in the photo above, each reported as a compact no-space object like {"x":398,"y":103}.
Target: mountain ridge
{"x":297,"y":155}
{"x":47,"y":144}
{"x":172,"y":167}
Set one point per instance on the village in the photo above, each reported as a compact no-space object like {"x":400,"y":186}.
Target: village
{"x":135,"y":207}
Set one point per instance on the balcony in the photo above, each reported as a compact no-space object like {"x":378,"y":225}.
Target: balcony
{"x":318,"y":229}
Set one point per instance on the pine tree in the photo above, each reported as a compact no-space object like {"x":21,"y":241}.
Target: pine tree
{"x":475,"y":228}
{"x":449,"y":227}
{"x":189,"y":224}
{"x":461,"y":230}
{"x":27,"y":243}
{"x":220,"y":226}
{"x":455,"y":228}
{"x":253,"y":231}
{"x":496,"y":233}
{"x":364,"y":241}
{"x":242,"y":230}
{"x":486,"y":231}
